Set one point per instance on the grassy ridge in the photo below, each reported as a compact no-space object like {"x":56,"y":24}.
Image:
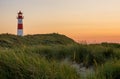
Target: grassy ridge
{"x":8,"y":40}
{"x":40,"y":57}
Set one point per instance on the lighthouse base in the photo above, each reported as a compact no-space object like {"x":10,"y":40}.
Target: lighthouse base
{"x":20,"y":32}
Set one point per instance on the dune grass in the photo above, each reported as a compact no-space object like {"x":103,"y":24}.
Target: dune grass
{"x":109,"y":70}
{"x":22,"y":65}
{"x":40,"y":57}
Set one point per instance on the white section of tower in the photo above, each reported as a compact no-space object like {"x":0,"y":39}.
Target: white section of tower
{"x":20,"y":32}
{"x":20,"y":21}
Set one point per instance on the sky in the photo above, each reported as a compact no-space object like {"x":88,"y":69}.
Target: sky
{"x":93,"y":21}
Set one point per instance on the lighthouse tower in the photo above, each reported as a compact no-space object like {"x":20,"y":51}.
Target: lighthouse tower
{"x":20,"y":24}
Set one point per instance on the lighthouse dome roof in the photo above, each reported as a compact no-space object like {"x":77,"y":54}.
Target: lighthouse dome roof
{"x":19,"y":12}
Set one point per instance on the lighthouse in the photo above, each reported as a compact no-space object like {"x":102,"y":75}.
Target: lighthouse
{"x":20,"y":24}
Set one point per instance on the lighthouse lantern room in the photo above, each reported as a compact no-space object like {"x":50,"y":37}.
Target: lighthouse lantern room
{"x":20,"y":24}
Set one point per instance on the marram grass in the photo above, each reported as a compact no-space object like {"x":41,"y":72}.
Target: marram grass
{"x":32,"y":66}
{"x":40,"y":57}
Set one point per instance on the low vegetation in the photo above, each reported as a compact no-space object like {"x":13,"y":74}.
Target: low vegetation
{"x":41,"y":56}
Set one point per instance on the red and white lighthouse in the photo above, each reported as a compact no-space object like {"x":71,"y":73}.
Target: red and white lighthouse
{"x":20,"y":24}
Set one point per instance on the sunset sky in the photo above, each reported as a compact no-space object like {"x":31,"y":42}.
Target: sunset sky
{"x":91,"y":20}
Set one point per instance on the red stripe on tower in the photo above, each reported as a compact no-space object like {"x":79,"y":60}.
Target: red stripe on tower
{"x":20,"y":24}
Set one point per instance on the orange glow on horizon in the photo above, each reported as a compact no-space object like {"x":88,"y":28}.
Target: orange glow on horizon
{"x":90,"y":20}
